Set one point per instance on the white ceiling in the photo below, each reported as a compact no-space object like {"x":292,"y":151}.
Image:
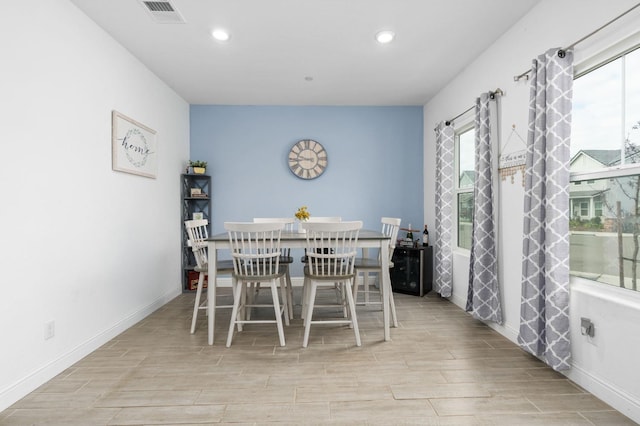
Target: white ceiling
{"x":275,"y":44}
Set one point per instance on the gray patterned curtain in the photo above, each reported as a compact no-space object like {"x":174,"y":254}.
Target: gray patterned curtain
{"x":483,"y":297}
{"x":444,"y":210}
{"x":544,"y":311}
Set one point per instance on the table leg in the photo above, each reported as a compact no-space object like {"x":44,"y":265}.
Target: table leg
{"x":385,"y":286}
{"x":211,"y":291}
{"x":365,"y":280}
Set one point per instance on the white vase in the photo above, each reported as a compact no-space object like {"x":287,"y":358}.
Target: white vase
{"x":300,"y":228}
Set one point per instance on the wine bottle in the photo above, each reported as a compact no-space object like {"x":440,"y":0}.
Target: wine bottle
{"x":409,"y":234}
{"x":425,"y":237}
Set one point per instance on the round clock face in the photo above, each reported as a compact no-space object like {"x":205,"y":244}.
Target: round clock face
{"x":307,"y":159}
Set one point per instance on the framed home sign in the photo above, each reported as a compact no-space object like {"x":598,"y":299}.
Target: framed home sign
{"x":134,"y":146}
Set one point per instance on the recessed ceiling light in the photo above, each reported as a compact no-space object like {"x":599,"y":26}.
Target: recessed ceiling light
{"x":385,"y":36}
{"x":220,"y":35}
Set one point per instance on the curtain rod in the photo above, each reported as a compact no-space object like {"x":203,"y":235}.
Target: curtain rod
{"x":561,"y":52}
{"x":451,"y":120}
{"x":492,"y":95}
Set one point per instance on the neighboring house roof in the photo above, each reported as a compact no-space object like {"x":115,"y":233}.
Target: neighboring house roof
{"x":587,"y":193}
{"x":606,"y":157}
{"x":610,"y":157}
{"x":469,"y":174}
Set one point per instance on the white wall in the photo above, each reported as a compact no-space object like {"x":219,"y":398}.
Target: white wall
{"x":92,"y":249}
{"x":608,"y":366}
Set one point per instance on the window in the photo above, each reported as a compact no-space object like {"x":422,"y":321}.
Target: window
{"x":597,"y":204}
{"x":605,"y":173}
{"x":584,"y":208}
{"x":465,"y":168}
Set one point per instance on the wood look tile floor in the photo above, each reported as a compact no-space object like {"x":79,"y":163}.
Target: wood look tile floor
{"x":441,"y":368}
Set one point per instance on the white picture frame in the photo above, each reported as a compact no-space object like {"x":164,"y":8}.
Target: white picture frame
{"x":198,"y":215}
{"x":134,"y":146}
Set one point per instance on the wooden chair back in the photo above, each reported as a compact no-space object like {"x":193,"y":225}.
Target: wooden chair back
{"x":390,"y":228}
{"x":331,"y":248}
{"x":255,"y":249}
{"x":198,"y":235}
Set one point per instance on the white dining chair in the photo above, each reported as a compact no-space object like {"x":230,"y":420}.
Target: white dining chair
{"x":331,"y":251}
{"x":255,"y":249}
{"x":285,"y":258}
{"x":319,"y":219}
{"x":323,"y":219}
{"x":197,"y":235}
{"x":366,"y":266}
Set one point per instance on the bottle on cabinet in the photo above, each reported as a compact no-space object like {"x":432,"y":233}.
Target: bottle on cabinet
{"x":409,"y":234}
{"x":425,"y":237}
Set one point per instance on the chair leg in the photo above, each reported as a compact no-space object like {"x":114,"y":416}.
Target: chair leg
{"x":276,"y":308}
{"x":304,"y":301}
{"x":211,"y":306}
{"x":310,"y":300}
{"x":354,"y":318}
{"x":343,"y":290}
{"x":289,"y":294}
{"x":234,"y":312}
{"x":196,"y":305}
{"x":250,"y":297}
{"x":366,"y":287}
{"x":392,"y":304}
{"x":235,"y":289}
{"x":285,"y":302}
{"x":356,"y":286}
{"x":339,"y":289}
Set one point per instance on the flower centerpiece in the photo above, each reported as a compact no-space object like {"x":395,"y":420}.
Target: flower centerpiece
{"x":302,"y":215}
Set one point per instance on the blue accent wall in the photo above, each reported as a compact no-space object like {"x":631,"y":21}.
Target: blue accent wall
{"x":375,"y":161}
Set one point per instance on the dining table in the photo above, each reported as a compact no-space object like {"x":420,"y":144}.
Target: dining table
{"x":294,"y":239}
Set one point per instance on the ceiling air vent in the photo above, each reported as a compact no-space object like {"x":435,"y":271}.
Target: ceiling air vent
{"x":163,"y":12}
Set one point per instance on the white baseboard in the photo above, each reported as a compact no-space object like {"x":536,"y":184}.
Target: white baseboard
{"x":41,"y":375}
{"x":505,"y":330}
{"x":458,"y":301}
{"x":617,"y":398}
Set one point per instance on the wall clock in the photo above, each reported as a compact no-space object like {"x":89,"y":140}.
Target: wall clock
{"x":307,"y":159}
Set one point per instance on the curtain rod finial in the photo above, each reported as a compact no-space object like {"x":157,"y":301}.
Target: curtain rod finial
{"x":497,"y":92}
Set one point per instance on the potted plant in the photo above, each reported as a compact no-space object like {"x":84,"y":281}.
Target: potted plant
{"x":199,"y":167}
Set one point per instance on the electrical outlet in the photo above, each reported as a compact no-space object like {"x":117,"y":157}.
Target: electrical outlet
{"x":587,"y":328}
{"x":49,"y":330}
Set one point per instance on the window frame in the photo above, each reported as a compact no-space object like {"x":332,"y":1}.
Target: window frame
{"x":622,"y":170}
{"x":605,"y":57}
{"x":468,"y":125}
